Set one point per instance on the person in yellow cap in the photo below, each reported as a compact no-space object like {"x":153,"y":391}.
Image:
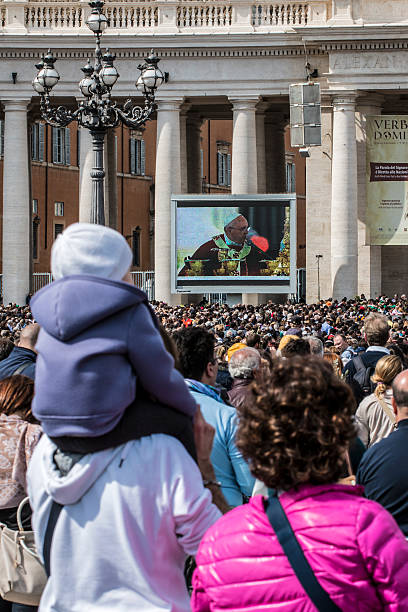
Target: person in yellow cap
{"x":285,"y":340}
{"x":235,"y":347}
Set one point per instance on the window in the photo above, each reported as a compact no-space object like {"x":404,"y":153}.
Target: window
{"x":290,"y":177}
{"x":137,"y":156}
{"x":223,"y":168}
{"x":2,"y":138}
{"x":37,"y":141}
{"x":59,"y":209}
{"x":58,"y":229}
{"x":35,"y":207}
{"x":136,"y":246}
{"x":61,"y":146}
{"x":202,"y":162}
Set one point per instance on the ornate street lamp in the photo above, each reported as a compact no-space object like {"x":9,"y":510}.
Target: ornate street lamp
{"x":98,"y":112}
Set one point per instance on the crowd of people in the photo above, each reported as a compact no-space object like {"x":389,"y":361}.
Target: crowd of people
{"x":202,"y":457}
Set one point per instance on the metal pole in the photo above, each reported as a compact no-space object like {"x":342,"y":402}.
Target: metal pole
{"x":97,"y":175}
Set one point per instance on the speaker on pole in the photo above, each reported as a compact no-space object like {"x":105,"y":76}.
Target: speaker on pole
{"x":305,"y":115}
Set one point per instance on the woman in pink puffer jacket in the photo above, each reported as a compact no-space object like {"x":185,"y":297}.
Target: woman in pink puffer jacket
{"x":294,"y":434}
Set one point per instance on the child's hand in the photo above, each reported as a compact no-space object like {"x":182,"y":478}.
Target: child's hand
{"x":203,"y":436}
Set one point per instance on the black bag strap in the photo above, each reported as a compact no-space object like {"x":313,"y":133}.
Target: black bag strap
{"x":358,"y":363}
{"x":49,"y":532}
{"x":296,"y":557}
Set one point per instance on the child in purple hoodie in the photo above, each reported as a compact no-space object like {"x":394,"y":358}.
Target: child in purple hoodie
{"x":103,"y":375}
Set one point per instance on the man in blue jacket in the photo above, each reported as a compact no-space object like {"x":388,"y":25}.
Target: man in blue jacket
{"x":199,"y":367}
{"x":23,"y":356}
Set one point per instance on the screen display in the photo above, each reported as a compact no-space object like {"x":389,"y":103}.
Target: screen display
{"x":233,"y":241}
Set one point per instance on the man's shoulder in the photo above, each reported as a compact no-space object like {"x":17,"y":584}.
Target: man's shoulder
{"x":210,"y":402}
{"x":214,"y":412}
{"x":210,"y":244}
{"x":16,"y":359}
{"x":369,"y":359}
{"x":396,"y":444}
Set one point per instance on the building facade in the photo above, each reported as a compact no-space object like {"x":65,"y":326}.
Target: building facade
{"x":230,"y":64}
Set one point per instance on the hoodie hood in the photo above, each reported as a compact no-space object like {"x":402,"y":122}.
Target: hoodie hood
{"x":67,"y":307}
{"x":71,"y":488}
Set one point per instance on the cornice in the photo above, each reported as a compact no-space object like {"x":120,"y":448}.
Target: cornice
{"x":132,"y":53}
{"x":378,"y":45}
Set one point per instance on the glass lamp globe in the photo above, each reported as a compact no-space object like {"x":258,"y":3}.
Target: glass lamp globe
{"x":37,"y":86}
{"x":140,"y":84}
{"x":109,"y":75}
{"x":48,"y":77}
{"x":152,"y":77}
{"x":97,"y":22}
{"x":85,"y":86}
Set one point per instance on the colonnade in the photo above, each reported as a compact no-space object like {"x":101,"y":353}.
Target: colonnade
{"x":335,"y":186}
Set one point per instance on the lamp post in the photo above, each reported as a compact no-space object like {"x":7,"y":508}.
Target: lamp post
{"x":98,"y":112}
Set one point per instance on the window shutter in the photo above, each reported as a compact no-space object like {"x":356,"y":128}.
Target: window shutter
{"x":293,"y":186}
{"x":35,"y":240}
{"x":55,"y":159}
{"x":142,"y":158}
{"x":2,"y":137}
{"x":67,"y":143}
{"x":219,"y":168}
{"x":32,"y":135}
{"x":136,"y":247}
{"x":228,"y":169}
{"x":58,"y":229}
{"x":132,"y":155}
{"x":41,"y":138}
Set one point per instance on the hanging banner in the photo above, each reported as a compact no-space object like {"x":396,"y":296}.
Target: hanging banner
{"x":387,"y":180}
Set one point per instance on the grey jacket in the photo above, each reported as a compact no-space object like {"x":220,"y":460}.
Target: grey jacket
{"x":373,"y":423}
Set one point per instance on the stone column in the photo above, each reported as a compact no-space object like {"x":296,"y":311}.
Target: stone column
{"x":111,"y":187}
{"x":275,"y":123}
{"x":85,"y":182}
{"x":194,"y":179}
{"x":183,"y":148}
{"x":244,"y":171}
{"x":369,"y":257}
{"x":16,"y":204}
{"x":260,"y":147}
{"x":318,"y":210}
{"x":344,"y":198}
{"x":168,"y":182}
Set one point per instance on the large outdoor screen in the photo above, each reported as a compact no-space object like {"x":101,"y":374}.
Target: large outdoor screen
{"x":234,"y":244}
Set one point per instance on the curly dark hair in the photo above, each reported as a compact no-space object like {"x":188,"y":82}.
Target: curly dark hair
{"x":195,"y":347}
{"x":298,"y":426}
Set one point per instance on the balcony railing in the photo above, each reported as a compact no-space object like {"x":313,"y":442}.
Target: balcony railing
{"x":163,"y":16}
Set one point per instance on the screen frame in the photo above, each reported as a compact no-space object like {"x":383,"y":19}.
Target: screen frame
{"x":270,"y":284}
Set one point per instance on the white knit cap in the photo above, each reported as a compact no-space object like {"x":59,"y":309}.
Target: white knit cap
{"x":87,"y":248}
